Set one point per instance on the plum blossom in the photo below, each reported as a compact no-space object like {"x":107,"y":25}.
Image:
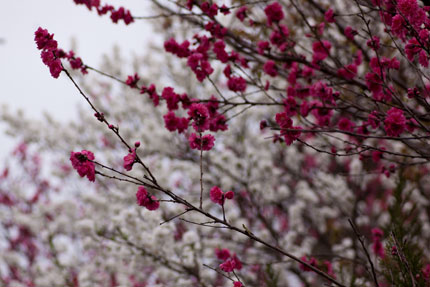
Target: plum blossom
{"x":395,"y":122}
{"x":129,"y":160}
{"x":274,"y":13}
{"x":82,"y":162}
{"x":205,"y":142}
{"x":146,"y":200}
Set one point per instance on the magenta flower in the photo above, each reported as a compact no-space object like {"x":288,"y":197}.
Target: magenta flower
{"x":222,"y":254}
{"x":228,"y":266}
{"x":129,"y":160}
{"x":182,"y":50}
{"x":329,"y":16}
{"x":48,"y":46}
{"x":236,"y":84}
{"x":395,"y":122}
{"x":274,"y":13}
{"x":172,"y":99}
{"x":241,"y":13}
{"x":270,"y":68}
{"x":44,"y":40}
{"x":200,"y":115}
{"x":216,"y":195}
{"x":312,"y":261}
{"x":321,"y":50}
{"x":219,"y":50}
{"x":377,"y":246}
{"x":350,"y":33}
{"x":201,"y":143}
{"x":132,"y":80}
{"x":81,"y":161}
{"x":346,"y":125}
{"x":146,"y":200}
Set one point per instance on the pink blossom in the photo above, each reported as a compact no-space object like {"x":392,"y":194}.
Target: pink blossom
{"x":274,"y":13}
{"x":237,"y":262}
{"x":48,"y":46}
{"x":216,"y":30}
{"x":398,"y":26}
{"x":208,"y":9}
{"x":229,"y":194}
{"x":408,"y":8}
{"x":283,"y":120}
{"x":236,"y":84}
{"x":172,"y":99}
{"x":290,"y":106}
{"x":200,"y":66}
{"x":218,"y":123}
{"x":329,"y":267}
{"x":321,"y":50}
{"x":348,"y":72}
{"x":201,"y":143}
{"x":322,"y":114}
{"x":291,"y":135}
{"x":270,"y":68}
{"x":228,"y":266}
{"x":279,"y":36}
{"x":412,"y":48}
{"x":121,"y":14}
{"x":321,"y":91}
{"x":263,"y":46}
{"x":146,"y":200}
{"x":241,"y":13}
{"x":423,"y":59}
{"x":81,"y":161}
{"x":312,"y":261}
{"x":219,"y":50}
{"x":237,"y":284}
{"x":224,"y":9}
{"x":44,"y":40}
{"x":373,"y":119}
{"x":200,"y":115}
{"x":373,"y":43}
{"x":346,"y":125}
{"x":395,"y":122}
{"x":129,"y":160}
{"x":132,"y":80}
{"x":377,"y":246}
{"x":182,"y":50}
{"x":173,"y":123}
{"x":54,"y":64}
{"x":216,"y":195}
{"x":222,"y":254}
{"x":350,"y":33}
{"x":152,"y":94}
{"x":329,"y":16}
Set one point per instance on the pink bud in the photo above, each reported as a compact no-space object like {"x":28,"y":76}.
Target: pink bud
{"x":229,"y":194}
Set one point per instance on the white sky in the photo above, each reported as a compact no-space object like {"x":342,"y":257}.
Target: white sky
{"x":26,"y":82}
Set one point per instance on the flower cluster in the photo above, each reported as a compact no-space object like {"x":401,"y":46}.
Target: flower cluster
{"x":48,"y":46}
{"x":82,"y":162}
{"x":231,"y":262}
{"x":205,"y":142}
{"x":218,"y":196}
{"x":51,"y":54}
{"x":115,"y":14}
{"x":143,"y":198}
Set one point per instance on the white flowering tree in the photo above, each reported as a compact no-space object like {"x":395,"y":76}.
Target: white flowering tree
{"x":268,"y":143}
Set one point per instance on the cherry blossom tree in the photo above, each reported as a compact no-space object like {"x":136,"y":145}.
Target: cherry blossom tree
{"x":271,"y":143}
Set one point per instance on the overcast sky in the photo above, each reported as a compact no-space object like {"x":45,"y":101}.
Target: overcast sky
{"x":26,"y":82}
